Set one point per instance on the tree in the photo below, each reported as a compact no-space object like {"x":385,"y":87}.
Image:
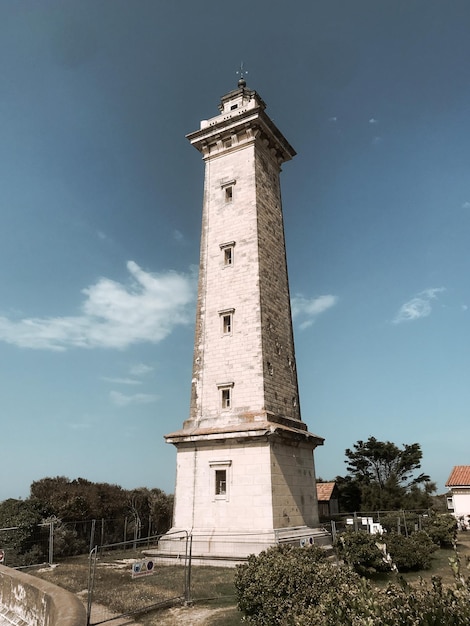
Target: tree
{"x":385,"y":475}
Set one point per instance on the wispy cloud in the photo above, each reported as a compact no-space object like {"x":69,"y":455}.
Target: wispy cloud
{"x":121,"y":399}
{"x":122,"y":381}
{"x":373,"y":120}
{"x":113,"y":315}
{"x":418,"y":307}
{"x":466,"y":205}
{"x":308,"y":309}
{"x":140,"y":369}
{"x":178,"y":236}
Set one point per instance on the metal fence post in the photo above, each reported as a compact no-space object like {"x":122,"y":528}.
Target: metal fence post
{"x":91,"y":582}
{"x":51,"y":542}
{"x":187,"y":592}
{"x":92,"y":534}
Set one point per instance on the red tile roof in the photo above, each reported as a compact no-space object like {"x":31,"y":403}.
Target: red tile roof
{"x":459,"y":476}
{"x":325,"y":491}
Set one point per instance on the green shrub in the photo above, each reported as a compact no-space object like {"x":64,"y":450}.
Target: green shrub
{"x":410,"y":553}
{"x":287,"y":586}
{"x":421,"y":605}
{"x":366,"y":553}
{"x":403,"y":522}
{"x":442,"y":528}
{"x":282,"y":582}
{"x":360,"y":551}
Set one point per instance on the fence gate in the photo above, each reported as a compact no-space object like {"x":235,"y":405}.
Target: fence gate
{"x":126,"y":579}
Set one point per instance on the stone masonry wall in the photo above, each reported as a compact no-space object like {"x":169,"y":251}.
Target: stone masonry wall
{"x":32,"y":601}
{"x":280,"y":375}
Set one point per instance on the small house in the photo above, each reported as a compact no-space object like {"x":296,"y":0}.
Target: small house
{"x":458,"y":501}
{"x":327,"y":496}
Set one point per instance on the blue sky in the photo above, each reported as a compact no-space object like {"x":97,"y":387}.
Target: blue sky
{"x":100,"y":210}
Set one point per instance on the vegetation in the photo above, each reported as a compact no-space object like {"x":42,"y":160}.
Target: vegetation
{"x":293,"y":587}
{"x":115,"y":589}
{"x":368,"y":554}
{"x":72,"y":505}
{"x":355,"y":601}
{"x":381,"y":476}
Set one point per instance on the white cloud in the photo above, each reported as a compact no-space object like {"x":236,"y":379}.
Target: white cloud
{"x":373,"y":121}
{"x":308,"y":309}
{"x":122,"y":381}
{"x":121,"y":399}
{"x":140,"y":369}
{"x":466,"y":205}
{"x":418,"y":307}
{"x":333,"y":119}
{"x":178,"y":236}
{"x":113,"y":315}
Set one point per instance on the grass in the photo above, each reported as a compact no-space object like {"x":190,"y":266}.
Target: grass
{"x":211,"y":587}
{"x":116,"y":590}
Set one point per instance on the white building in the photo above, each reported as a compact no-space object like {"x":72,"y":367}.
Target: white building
{"x":459,"y":500}
{"x":245,"y":470}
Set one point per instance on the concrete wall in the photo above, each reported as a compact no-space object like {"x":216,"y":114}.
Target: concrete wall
{"x":37,"y":602}
{"x":461,"y":500}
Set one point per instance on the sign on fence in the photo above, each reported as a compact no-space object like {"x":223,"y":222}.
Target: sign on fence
{"x":2,"y":556}
{"x":142,"y":568}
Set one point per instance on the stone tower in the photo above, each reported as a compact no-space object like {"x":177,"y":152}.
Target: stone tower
{"x":245,"y":470}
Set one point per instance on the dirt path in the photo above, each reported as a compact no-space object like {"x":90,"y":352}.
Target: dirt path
{"x":187,"y":616}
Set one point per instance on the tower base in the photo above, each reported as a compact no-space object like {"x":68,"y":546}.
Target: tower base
{"x":227,"y":547}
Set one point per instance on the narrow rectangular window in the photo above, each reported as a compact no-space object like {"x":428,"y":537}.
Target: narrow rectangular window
{"x":226,"y":398}
{"x":228,"y":194}
{"x":228,"y":256}
{"x":226,"y":321}
{"x":220,"y":482}
{"x":227,"y":324}
{"x":227,"y":250}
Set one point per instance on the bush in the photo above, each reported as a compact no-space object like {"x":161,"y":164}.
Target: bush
{"x":410,"y":553}
{"x":424,"y":604}
{"x":360,"y":551}
{"x":442,"y":529}
{"x":365,"y":553}
{"x":287,"y":586}
{"x":282,"y":582}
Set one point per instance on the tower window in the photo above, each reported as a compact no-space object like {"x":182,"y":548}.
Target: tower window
{"x":226,"y":321}
{"x":220,"y":479}
{"x":227,"y":324}
{"x":227,"y":253}
{"x":220,"y":482}
{"x":227,"y":185}
{"x":226,"y":398}
{"x":225,"y":391}
{"x":228,"y":256}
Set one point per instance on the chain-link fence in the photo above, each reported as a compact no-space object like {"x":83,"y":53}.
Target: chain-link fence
{"x":123,"y":581}
{"x":35,"y":544}
{"x":23,"y":546}
{"x":403,"y":522}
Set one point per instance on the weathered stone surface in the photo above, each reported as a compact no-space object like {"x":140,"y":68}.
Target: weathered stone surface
{"x":27,"y":600}
{"x":245,"y":423}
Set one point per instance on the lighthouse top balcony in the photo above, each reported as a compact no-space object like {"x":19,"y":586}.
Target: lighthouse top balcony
{"x":234,"y":104}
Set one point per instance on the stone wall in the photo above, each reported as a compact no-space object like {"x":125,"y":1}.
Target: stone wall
{"x":35,"y":602}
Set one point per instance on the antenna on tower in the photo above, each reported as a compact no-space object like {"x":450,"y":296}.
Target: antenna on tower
{"x":242,"y":72}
